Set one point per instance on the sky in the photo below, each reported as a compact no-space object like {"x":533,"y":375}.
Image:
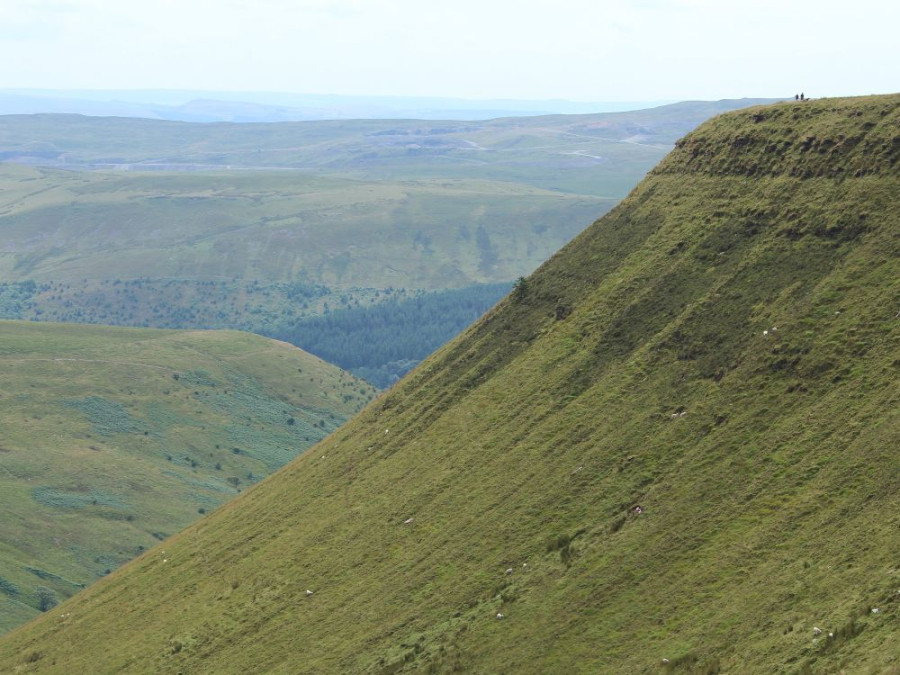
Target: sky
{"x":577,"y":50}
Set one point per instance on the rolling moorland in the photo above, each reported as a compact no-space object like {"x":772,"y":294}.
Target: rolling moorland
{"x":597,"y":154}
{"x":262,"y":227}
{"x":68,"y":226}
{"x":673,"y":448}
{"x":115,"y":438}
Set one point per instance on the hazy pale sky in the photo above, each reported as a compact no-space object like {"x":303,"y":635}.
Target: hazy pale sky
{"x":587,"y":50}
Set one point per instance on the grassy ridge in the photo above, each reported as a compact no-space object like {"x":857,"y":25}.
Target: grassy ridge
{"x":112,"y":439}
{"x":672,"y":449}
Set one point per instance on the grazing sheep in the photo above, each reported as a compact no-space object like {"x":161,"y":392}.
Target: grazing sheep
{"x":308,"y":592}
{"x":509,"y":571}
{"x":408,"y":521}
{"x":499,"y":615}
{"x":817,"y":630}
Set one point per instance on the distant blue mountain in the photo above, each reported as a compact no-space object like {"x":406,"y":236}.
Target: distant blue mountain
{"x":206,"y":106}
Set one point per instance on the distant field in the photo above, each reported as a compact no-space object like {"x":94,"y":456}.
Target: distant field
{"x":113,"y":438}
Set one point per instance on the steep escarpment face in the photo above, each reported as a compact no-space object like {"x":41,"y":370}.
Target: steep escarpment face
{"x":674,"y":446}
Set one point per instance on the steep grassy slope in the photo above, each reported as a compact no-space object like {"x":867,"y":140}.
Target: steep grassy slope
{"x":112,"y":439}
{"x":674,"y":447}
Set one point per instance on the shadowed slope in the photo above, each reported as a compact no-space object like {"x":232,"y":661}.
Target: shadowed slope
{"x":676,"y":440}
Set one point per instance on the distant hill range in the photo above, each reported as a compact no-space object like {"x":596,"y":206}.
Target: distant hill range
{"x":211,"y":106}
{"x":672,"y":449}
{"x":463,"y":148}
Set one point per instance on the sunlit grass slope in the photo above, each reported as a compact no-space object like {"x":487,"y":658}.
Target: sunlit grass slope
{"x":112,"y":439}
{"x":673,"y":448}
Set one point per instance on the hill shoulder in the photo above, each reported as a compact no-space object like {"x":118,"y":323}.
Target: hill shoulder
{"x":115,"y":438}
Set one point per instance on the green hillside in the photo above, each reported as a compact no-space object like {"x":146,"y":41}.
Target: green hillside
{"x":671,"y":449}
{"x":66,"y":226}
{"x":113,"y":439}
